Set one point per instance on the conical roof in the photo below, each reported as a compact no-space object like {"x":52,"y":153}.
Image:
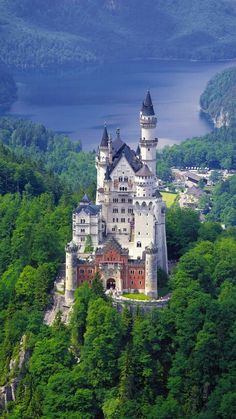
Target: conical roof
{"x":147,"y":108}
{"x":105,"y":138}
{"x":85,"y":199}
{"x":144,"y":171}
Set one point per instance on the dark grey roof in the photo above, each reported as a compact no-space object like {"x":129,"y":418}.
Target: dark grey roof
{"x":107,"y":174}
{"x":85,"y":199}
{"x":88,"y":209}
{"x":144,"y":171}
{"x":130,"y":156}
{"x":147,"y":107}
{"x":116,"y":145}
{"x":105,"y":138}
{"x":112,"y":242}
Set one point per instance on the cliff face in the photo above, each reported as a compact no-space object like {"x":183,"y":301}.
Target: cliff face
{"x":222,"y":119}
{"x":219,"y":98}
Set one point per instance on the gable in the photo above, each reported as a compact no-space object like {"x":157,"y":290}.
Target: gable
{"x":122,"y":168}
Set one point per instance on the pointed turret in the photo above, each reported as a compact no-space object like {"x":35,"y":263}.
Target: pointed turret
{"x":85,"y":200}
{"x":148,"y":140}
{"x":147,"y":108}
{"x":105,"y":138}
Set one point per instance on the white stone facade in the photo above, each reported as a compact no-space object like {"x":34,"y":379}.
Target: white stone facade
{"x":128,"y":206}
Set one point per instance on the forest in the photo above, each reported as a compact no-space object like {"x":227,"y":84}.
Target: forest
{"x":216,"y":150}
{"x":176,"y":362}
{"x":219,"y":98}
{"x":43,"y":35}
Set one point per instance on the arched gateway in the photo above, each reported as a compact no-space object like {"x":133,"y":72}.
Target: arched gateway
{"x":111,"y":283}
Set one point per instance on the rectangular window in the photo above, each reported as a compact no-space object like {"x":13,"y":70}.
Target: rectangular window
{"x":81,"y":271}
{"x":122,"y":210}
{"x":115,"y":211}
{"x":130,"y":210}
{"x":122,"y":220}
{"x":115,"y":200}
{"x":130,"y":201}
{"x":122,"y":200}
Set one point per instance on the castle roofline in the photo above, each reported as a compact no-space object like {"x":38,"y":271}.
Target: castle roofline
{"x":144,"y":171}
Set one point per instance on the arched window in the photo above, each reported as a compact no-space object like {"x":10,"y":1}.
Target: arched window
{"x":139,"y":244}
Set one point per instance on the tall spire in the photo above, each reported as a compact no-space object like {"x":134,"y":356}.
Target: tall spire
{"x":147,"y":107}
{"x":105,"y":137}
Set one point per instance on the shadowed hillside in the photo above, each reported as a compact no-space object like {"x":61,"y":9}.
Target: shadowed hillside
{"x":45,"y":33}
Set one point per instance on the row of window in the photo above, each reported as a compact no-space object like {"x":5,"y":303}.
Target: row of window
{"x":116,"y":220}
{"x":82,"y":271}
{"x":123,"y":200}
{"x":114,"y":229}
{"x":132,"y":272}
{"x":116,"y":210}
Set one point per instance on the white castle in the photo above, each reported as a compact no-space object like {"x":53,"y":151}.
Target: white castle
{"x":126,"y":228}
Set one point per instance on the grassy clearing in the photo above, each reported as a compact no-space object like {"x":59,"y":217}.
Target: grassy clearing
{"x":137,"y":296}
{"x":169,"y":198}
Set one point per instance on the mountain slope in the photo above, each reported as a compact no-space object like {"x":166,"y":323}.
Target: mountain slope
{"x":42,"y":33}
{"x":219,"y":98}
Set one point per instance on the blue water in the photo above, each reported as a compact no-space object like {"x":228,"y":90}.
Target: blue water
{"x":79,"y":102}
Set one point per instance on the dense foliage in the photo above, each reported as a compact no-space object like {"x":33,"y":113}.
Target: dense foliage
{"x":223,"y":202}
{"x":168,"y":363}
{"x":219,"y":98}
{"x":173,"y":363}
{"x":57,"y":153}
{"x":216,"y":150}
{"x":43,"y":34}
{"x":8,"y":89}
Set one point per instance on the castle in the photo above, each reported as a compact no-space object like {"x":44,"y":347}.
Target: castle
{"x":123,"y":235}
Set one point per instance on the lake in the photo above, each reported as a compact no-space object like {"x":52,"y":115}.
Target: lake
{"x":78,"y":103}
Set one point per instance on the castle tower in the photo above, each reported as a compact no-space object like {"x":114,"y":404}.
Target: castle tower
{"x":151,"y":264}
{"x":102,"y":159}
{"x":148,"y":140}
{"x":144,"y":232}
{"x":71,"y":272}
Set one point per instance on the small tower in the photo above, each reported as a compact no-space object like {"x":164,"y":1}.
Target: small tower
{"x":71,"y":272}
{"x":151,"y":264}
{"x":102,"y":159}
{"x":148,"y":140}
